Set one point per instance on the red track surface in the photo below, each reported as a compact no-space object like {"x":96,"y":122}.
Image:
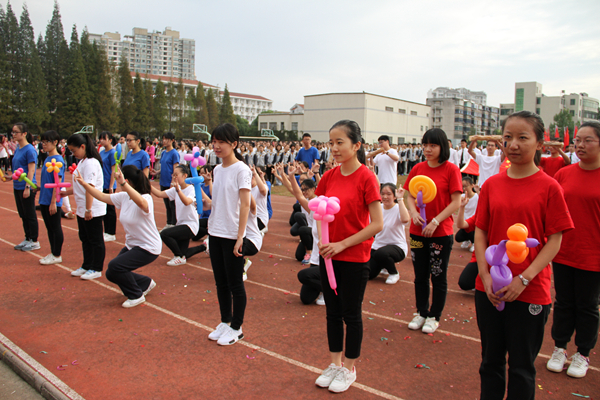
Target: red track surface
{"x":160,"y":350}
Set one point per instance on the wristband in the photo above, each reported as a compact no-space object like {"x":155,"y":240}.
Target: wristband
{"x":123,"y":184}
{"x":88,"y":211}
{"x":435,"y":222}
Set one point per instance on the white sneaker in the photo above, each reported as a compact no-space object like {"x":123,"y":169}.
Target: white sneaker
{"x":218,"y":332}
{"x":177,"y":261}
{"x":247,"y":264}
{"x":472,"y":248}
{"x":556,"y":363}
{"x":416,"y":323}
{"x":207,"y":251}
{"x":320,"y":300}
{"x":22,"y":244}
{"x":579,"y":366}
{"x":384,"y":272}
{"x":152,"y":286}
{"x":133,"y":302}
{"x":466,"y":244}
{"x":78,"y":272}
{"x":91,"y":274}
{"x":327,"y":376}
{"x":31,"y":246}
{"x":431,"y":324}
{"x":392,"y":279}
{"x":50,"y":259}
{"x":230,"y":336}
{"x":109,"y":237}
{"x":343,"y":380}
{"x":244,"y":277}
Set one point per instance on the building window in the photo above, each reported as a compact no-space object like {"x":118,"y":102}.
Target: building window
{"x":273,"y":126}
{"x":538,"y":101}
{"x":519,"y":99}
{"x":389,"y":109}
{"x":282,"y":127}
{"x":421,"y":128}
{"x":263,"y":125}
{"x":295,"y":126}
{"x":572,"y":112}
{"x":402,"y":111}
{"x":537,"y":111}
{"x":413,"y":113}
{"x":572,"y":102}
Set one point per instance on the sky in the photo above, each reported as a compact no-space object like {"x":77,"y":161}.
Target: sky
{"x":283,"y":50}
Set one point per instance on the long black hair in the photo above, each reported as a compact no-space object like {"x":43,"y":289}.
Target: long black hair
{"x":228,"y":133}
{"x":107,"y":135}
{"x":138,"y":137}
{"x":353,"y":132}
{"x":136,"y":179}
{"x":24,"y":129}
{"x":82,"y":139}
{"x":438,"y":136}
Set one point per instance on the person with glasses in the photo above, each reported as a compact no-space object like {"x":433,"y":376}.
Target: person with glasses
{"x":25,"y":157}
{"x":137,"y":156}
{"x":576,"y":268}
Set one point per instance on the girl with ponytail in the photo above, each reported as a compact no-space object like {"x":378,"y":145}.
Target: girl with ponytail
{"x":90,"y":212}
{"x":137,"y":155}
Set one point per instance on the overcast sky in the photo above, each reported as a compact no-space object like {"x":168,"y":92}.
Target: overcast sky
{"x":284,"y":50}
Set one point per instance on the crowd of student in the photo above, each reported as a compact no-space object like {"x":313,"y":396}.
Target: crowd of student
{"x":367,"y":236}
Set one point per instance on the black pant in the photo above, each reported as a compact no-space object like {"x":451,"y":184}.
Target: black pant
{"x":518,"y":330}
{"x":170,"y":206}
{"x":463,"y":236}
{"x":576,"y":307}
{"x":92,"y":243}
{"x":310,"y":278}
{"x":248,"y":248}
{"x":202,"y":229}
{"x":385,"y":257}
{"x":346,"y":307}
{"x":54,"y":228}
{"x":26,"y":209}
{"x":177,"y":239}
{"x":228,"y":271}
{"x":296,"y":208}
{"x":4,"y":164}
{"x":120,"y":271}
{"x":467,"y":278}
{"x":430,"y":259}
{"x":110,"y":219}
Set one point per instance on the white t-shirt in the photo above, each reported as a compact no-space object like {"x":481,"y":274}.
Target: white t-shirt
{"x":90,"y":170}
{"x":573,"y":157}
{"x":252,"y":231}
{"x":225,"y":213}
{"x":140,"y":228}
{"x":497,"y":152}
{"x":314,"y":256}
{"x":453,"y":158}
{"x":186,"y":215}
{"x":488,"y":167}
{"x":393,"y":232}
{"x":387,"y":168}
{"x":309,"y":217}
{"x":464,"y":153}
{"x":471,"y":206}
{"x":261,"y":205}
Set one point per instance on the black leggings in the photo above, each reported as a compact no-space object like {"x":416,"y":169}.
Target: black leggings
{"x":228,"y":271}
{"x":54,"y":228}
{"x":202,"y":229}
{"x":110,"y":219}
{"x":346,"y":307}
{"x":4,"y":164}
{"x":301,"y":228}
{"x":177,"y":239}
{"x":120,"y":271}
{"x":170,"y":206}
{"x":385,"y":257}
{"x":467,"y":278}
{"x":92,"y":243}
{"x":463,"y":236}
{"x":296,"y":209}
{"x":310,"y":278}
{"x":248,"y":248}
{"x":26,"y":209}
{"x":430,"y":261}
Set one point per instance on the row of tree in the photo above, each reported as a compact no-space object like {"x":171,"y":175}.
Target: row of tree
{"x":52,"y":84}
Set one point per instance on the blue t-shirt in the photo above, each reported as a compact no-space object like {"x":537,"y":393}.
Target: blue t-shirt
{"x":21,"y":159}
{"x":269,"y":207}
{"x":205,"y":213}
{"x":309,"y":155}
{"x":118,"y":148}
{"x":168,"y":159}
{"x":47,"y":177}
{"x":108,"y":161}
{"x":141,"y":159}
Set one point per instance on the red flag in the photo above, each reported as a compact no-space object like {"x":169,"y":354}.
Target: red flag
{"x":556,"y":135}
{"x":546,"y":135}
{"x":575,"y":133}
{"x":566,"y":141}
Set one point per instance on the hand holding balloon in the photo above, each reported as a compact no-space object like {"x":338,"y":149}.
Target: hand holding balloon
{"x":423,"y":189}
{"x":54,"y":167}
{"x":21,"y":176}
{"x":324,"y":210}
{"x":196,"y":160}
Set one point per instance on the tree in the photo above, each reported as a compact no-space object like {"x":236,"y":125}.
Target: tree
{"x":201,"y":109}
{"x":126,"y":106}
{"x":90,"y":57}
{"x":243,"y":126}
{"x":76,"y":109}
{"x":561,"y":120}
{"x":189,"y":115}
{"x":5,"y":83}
{"x":171,"y":106}
{"x":105,"y":107}
{"x":226,"y":114}
{"x":160,"y":109}
{"x":142,"y":117}
{"x":180,"y":105}
{"x":10,"y":38}
{"x":149,"y":93}
{"x":212,"y":110}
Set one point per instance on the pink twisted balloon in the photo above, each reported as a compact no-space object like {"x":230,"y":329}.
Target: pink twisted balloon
{"x":195,"y":159}
{"x":324,"y":210}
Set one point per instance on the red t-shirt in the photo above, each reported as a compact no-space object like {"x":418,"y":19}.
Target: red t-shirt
{"x":551,"y":165}
{"x":536,"y":202}
{"x":355,"y":191}
{"x":448,"y":180}
{"x":579,"y":247}
{"x":471,"y":228}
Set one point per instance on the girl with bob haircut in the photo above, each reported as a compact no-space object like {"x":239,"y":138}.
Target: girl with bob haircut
{"x":142,"y":241}
{"x":226,"y":227}
{"x":431,"y":245}
{"x":351,"y":235}
{"x":90,"y":212}
{"x":521,"y":194}
{"x":576,"y":268}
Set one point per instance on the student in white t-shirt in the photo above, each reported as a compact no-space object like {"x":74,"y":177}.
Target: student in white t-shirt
{"x":386,"y":160}
{"x":177,"y":238}
{"x":489,"y":165}
{"x":389,"y":246}
{"x":230,"y":207}
{"x":468,"y":203}
{"x":260,"y":191}
{"x":142,"y":241}
{"x":253,"y":239}
{"x":90,"y":212}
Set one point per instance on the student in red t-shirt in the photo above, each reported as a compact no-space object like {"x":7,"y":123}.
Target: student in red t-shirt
{"x":576,"y":266}
{"x":350,"y":235}
{"x":466,"y":281}
{"x":557,"y":160}
{"x":521,"y":194}
{"x":431,"y":246}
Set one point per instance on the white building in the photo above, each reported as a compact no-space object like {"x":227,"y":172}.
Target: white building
{"x":460,"y":93}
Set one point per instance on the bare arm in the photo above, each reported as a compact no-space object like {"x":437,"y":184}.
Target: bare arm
{"x":460,"y":220}
{"x":262,"y":186}
{"x":158,"y":193}
{"x":296,"y":191}
{"x":184,"y":199}
{"x":92,"y":192}
{"x":244,"y":209}
{"x":394,"y":157}
{"x":404,"y":215}
{"x":472,"y":146}
{"x":564,"y":156}
{"x":374,"y":153}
